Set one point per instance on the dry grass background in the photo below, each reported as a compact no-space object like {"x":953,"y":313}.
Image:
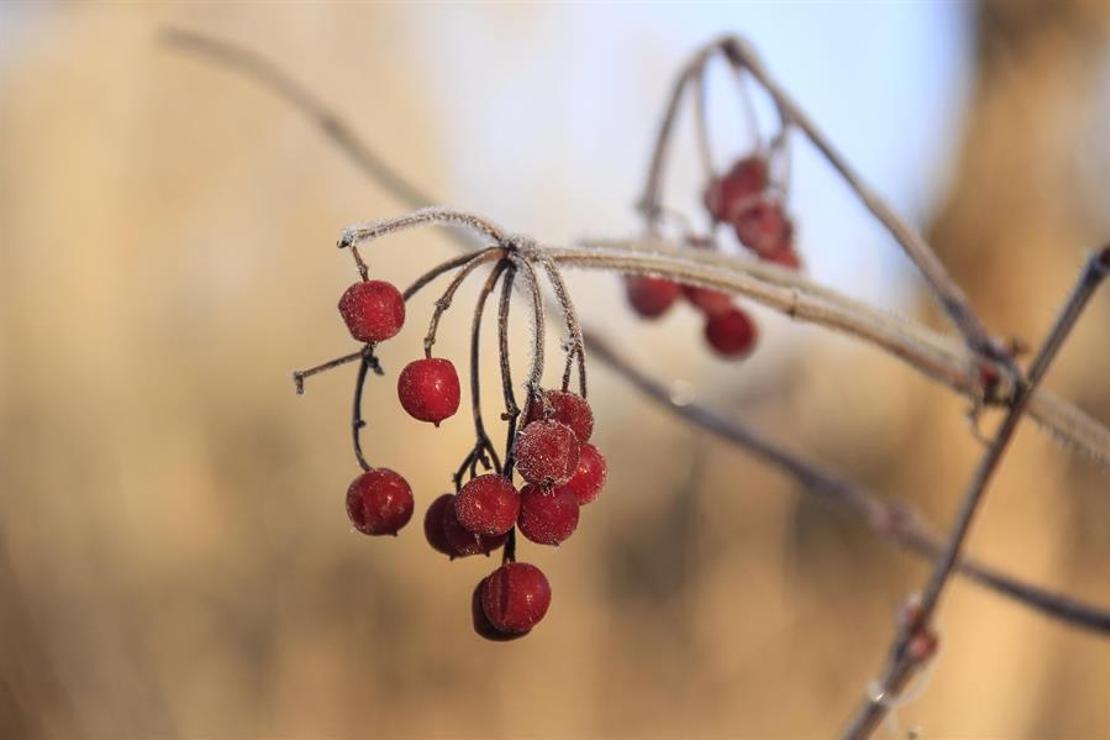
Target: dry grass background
{"x":174,"y":559}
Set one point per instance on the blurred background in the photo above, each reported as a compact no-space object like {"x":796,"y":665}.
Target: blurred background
{"x":175,"y":561}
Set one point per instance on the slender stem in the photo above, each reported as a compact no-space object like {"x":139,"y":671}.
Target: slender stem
{"x":369,"y":362}
{"x":947,"y":292}
{"x":432,"y":216}
{"x":576,"y":349}
{"x":902,"y":663}
{"x":536,"y":375}
{"x":512,"y":411}
{"x":891,"y":519}
{"x":486,"y":255}
{"x":299,"y":376}
{"x":438,"y":270}
{"x":701,"y":119}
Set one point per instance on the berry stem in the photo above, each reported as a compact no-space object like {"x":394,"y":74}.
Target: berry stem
{"x":299,"y":376}
{"x":576,"y":346}
{"x":482,"y":443}
{"x":436,"y":271}
{"x":902,"y":663}
{"x":444,"y":302}
{"x":512,"y":411}
{"x":536,"y":375}
{"x":369,"y":361}
{"x":431,"y":216}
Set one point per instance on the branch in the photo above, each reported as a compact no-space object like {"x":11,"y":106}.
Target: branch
{"x":903,"y":664}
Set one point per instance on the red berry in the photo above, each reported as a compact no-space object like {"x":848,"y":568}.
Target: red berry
{"x":764,"y":227}
{"x":482,"y":625}
{"x":434,"y":530}
{"x":546,"y":453}
{"x":379,"y":502}
{"x":785,"y":257}
{"x":651,"y":296}
{"x":729,"y":193}
{"x":515,"y":597}
{"x":589,"y":478}
{"x":461,"y":540}
{"x":731,"y":334}
{"x":488,"y":505}
{"x":707,"y":301}
{"x":568,"y":408}
{"x":547,"y":517}
{"x":429,"y":389}
{"x":374,"y":310}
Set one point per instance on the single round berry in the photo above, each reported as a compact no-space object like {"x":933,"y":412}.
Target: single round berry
{"x":379,"y":502}
{"x":589,"y":478}
{"x":461,"y":540}
{"x":434,"y":530}
{"x":429,"y":389}
{"x":482,"y":625}
{"x":515,"y":597}
{"x":546,"y":453}
{"x":547,"y":517}
{"x":565,"y":407}
{"x":764,"y":227}
{"x":731,"y":334}
{"x":373,"y":310}
{"x":706,"y":300}
{"x":488,"y":505}
{"x":728,"y":194}
{"x":651,"y":296}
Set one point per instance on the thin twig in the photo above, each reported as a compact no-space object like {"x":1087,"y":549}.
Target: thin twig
{"x":902,"y":663}
{"x":575,"y":345}
{"x":369,"y":362}
{"x":299,"y":376}
{"x":486,"y":255}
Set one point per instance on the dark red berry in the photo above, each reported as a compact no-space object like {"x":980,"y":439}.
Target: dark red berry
{"x":707,"y":301}
{"x":482,"y":625}
{"x":546,"y":453}
{"x":515,"y":597}
{"x":731,"y":334}
{"x":728,"y":194}
{"x":461,"y":540}
{"x":651,"y":296}
{"x":764,"y":227}
{"x":589,"y":478}
{"x":786,"y":257}
{"x":547,"y":517}
{"x":429,"y":389}
{"x":434,"y":530}
{"x":569,"y":408}
{"x":373,"y":310}
{"x":488,"y":505}
{"x":379,"y":502}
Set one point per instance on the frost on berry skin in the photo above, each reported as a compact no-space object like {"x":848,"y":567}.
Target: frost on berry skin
{"x":731,"y":334}
{"x":589,"y":478}
{"x":482,"y":625}
{"x":488,"y":505}
{"x":547,"y":517}
{"x":764,"y":227}
{"x":566,"y":407}
{"x":434,"y":530}
{"x":461,"y":541}
{"x":546,"y":453}
{"x":729,"y":193}
{"x":708,"y":301}
{"x":429,"y":389}
{"x":515,"y":597}
{"x":373,"y":310}
{"x":379,"y":502}
{"x":651,"y":296}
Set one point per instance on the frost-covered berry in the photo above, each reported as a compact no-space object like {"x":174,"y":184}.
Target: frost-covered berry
{"x":707,"y":300}
{"x":651,"y":296}
{"x":547,"y":517}
{"x":379,"y":502}
{"x":546,"y":453}
{"x":461,"y":540}
{"x":764,"y":227}
{"x":488,"y":505}
{"x":589,"y":477}
{"x":481,"y":622}
{"x":373,"y":310}
{"x":429,"y":389}
{"x":434,"y":530}
{"x":515,"y":597}
{"x":731,"y":334}
{"x":569,"y":408}
{"x":729,"y":193}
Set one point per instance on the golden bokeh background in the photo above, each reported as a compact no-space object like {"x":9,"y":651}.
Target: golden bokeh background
{"x":174,"y":557}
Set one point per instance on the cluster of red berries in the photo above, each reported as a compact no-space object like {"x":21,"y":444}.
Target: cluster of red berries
{"x":744,"y":199}
{"x":561,"y":470}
